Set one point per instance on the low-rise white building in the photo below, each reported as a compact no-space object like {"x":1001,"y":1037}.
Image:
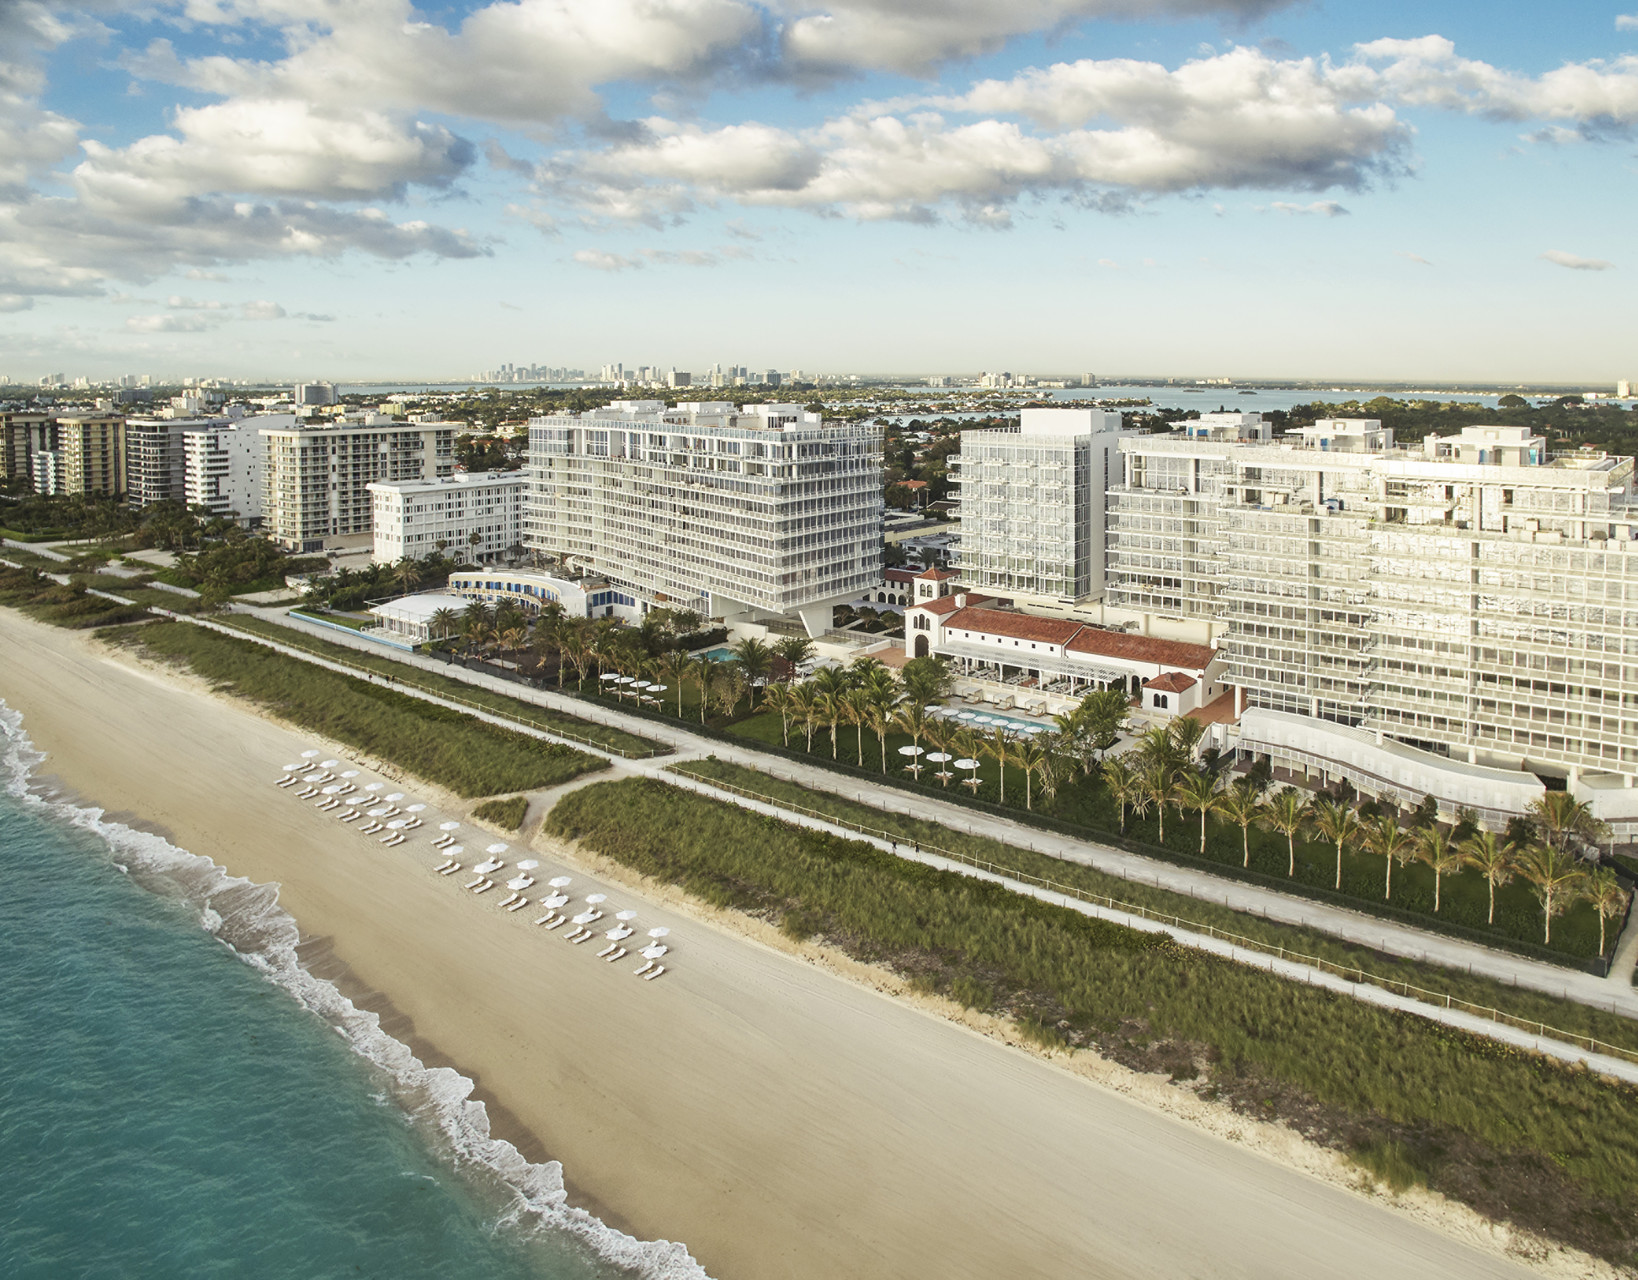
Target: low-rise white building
{"x":579,"y":597}
{"x":477,"y":514}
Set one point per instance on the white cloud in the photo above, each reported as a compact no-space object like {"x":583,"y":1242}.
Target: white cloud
{"x":600,"y":260}
{"x":263,"y":310}
{"x":1412,"y":257}
{"x":1321,"y":208}
{"x":1576,"y":263}
{"x":171,"y":324}
{"x":1626,"y":22}
{"x":176,"y":303}
{"x":12,"y":302}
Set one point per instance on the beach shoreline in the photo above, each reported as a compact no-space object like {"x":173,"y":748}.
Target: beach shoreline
{"x":572,"y":1061}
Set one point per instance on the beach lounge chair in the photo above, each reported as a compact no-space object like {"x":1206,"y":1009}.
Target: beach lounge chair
{"x":577,"y":935}
{"x":608,"y":950}
{"x":511,"y":898}
{"x":619,"y":954}
{"x":392,"y":812}
{"x":412,"y":824}
{"x":394,"y":840}
{"x":550,"y":915}
{"x":658,"y":970}
{"x":451,"y":870}
{"x":647,"y":965}
{"x":474,"y":884}
{"x":485,"y":887}
{"x":586,"y":935}
{"x":305,"y":792}
{"x":370,"y":828}
{"x":354,"y":816}
{"x":288,"y":778}
{"x":519,"y":905}
{"x":446,"y":866}
{"x":288,"y":782}
{"x":561,"y":920}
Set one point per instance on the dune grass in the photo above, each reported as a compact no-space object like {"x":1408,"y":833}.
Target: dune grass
{"x":448,"y":748}
{"x":62,"y":605}
{"x":588,"y":731}
{"x":1565,"y":1015}
{"x":508,"y":813}
{"x":1519,"y":1137}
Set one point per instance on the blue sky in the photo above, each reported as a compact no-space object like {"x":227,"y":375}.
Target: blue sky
{"x":363,"y":189}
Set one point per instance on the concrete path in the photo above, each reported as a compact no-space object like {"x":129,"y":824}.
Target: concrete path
{"x":1614,"y":994}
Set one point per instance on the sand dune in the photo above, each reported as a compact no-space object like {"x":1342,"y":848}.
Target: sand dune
{"x":781,"y":1121}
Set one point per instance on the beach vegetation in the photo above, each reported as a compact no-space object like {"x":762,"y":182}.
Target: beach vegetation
{"x":1517,"y":1136}
{"x":507,"y":812}
{"x":447,"y":748}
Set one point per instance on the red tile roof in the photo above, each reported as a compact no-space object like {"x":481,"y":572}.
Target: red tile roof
{"x":1014,"y":626}
{"x":947,"y":604}
{"x":935,"y":574}
{"x":910,"y":484}
{"x":1170,"y":682}
{"x":898,"y":575}
{"x":1163,"y":653}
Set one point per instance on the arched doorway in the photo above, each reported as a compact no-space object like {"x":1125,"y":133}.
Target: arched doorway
{"x":921,"y":646}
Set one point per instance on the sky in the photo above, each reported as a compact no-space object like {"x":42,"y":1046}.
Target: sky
{"x":368,"y":190}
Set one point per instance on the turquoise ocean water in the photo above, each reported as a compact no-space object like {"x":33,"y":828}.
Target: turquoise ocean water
{"x":179,"y":1099}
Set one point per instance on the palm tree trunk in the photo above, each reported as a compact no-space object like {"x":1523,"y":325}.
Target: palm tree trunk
{"x":1387,"y":891}
{"x":1436,"y":891}
{"x":1245,"y":844}
{"x":858,"y":733}
{"x":1160,"y":812}
{"x":1547,"y":918}
{"x":1202,"y":831}
{"x":1339,"y":864}
{"x":1291,"y":848}
{"x":882,"y":738}
{"x":1492,"y":884}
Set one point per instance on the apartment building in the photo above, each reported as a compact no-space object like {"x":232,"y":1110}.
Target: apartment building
{"x":316,"y":477}
{"x":1474,"y":599}
{"x":80,"y":454}
{"x":1031,"y":505}
{"x":155,"y":457}
{"x":21,"y":432}
{"x":732,"y":512}
{"x":222,"y":466}
{"x":472,"y":514}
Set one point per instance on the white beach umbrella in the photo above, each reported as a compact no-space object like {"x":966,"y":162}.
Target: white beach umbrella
{"x":519,"y":882}
{"x":912,"y":751}
{"x":331,"y":789}
{"x":374,"y":786}
{"x":584,"y":917}
{"x":414,"y":808}
{"x":595,"y":898}
{"x":528,"y":864}
{"x":558,"y":882}
{"x":625,"y":915}
{"x":308,"y":755}
{"x":449,"y":826}
{"x":496,"y":848}
{"x":376,"y":813}
{"x":609,"y":675}
{"x":939,"y":757}
{"x":660,"y":932}
{"x":291,"y":768}
{"x":395,"y":797}
{"x":398,"y":824}
{"x":555,"y":901}
{"x":654,"y":950}
{"x":454,"y":851}
{"x":350,"y":773}
{"x":328,"y":764}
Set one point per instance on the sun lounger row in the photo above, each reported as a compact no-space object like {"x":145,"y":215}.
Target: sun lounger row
{"x":650,"y":971}
{"x":449,"y":868}
{"x":394,"y":840}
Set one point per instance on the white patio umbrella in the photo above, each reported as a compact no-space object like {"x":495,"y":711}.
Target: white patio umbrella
{"x":938,"y":757}
{"x":969,"y":764}
{"x":376,"y":813}
{"x":398,"y":824}
{"x":496,"y":848}
{"x":558,"y":882}
{"x":414,"y":808}
{"x":642,"y":684}
{"x":528,"y":864}
{"x":449,"y":826}
{"x":350,"y":773}
{"x":595,"y":898}
{"x":395,"y":797}
{"x":519,"y":882}
{"x":374,"y":786}
{"x":291,"y":768}
{"x":653,"y":951}
{"x":627,"y":914}
{"x":661,"y":932}
{"x":308,"y":755}
{"x":328,"y":764}
{"x":609,"y":675}
{"x":657,"y":688}
{"x":454,"y":851}
{"x":331,"y":789}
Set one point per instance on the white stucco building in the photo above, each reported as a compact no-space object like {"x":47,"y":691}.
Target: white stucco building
{"x":222,"y":466}
{"x":733,"y":513}
{"x":473,"y":514}
{"x":1031,"y":505}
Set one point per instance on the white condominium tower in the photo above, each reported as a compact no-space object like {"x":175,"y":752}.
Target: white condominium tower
{"x":704,"y":506}
{"x":222,"y":466}
{"x":1032,"y":505}
{"x":1476,"y":597}
{"x":477,"y":514}
{"x":315,"y":483}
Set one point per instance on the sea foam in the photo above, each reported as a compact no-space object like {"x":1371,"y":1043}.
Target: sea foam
{"x":246,"y":917}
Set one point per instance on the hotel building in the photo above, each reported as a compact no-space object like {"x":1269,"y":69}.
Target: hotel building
{"x":316,"y":478}
{"x":21,"y":432}
{"x":476,"y":514}
{"x":1469,"y":606}
{"x":80,"y":454}
{"x":734,"y":513}
{"x":1031,"y":505}
{"x":222,"y":466}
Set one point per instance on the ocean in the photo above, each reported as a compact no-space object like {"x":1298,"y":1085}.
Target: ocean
{"x":179,"y":1099}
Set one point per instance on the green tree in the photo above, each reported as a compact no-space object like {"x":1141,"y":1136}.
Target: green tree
{"x":926,"y":680}
{"x":1197,"y":791}
{"x":1492,"y":858}
{"x":1384,"y":837}
{"x":1286,"y":812}
{"x":1337,"y":823}
{"x":1106,"y":712}
{"x":1435,"y":847}
{"x":1242,"y":806}
{"x":1608,"y":897}
{"x":1155,"y":786}
{"x":755,"y":658}
{"x":1555,"y":878}
{"x":795,"y":650}
{"x":778,"y":699}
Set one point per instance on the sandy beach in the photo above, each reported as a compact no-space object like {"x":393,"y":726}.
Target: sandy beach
{"x":779,"y":1120}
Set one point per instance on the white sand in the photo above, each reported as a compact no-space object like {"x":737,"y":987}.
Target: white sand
{"x":779,"y":1114}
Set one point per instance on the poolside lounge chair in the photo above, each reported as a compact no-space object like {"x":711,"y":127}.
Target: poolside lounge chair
{"x":519,"y":905}
{"x":619,"y":954}
{"x":658,"y":970}
{"x":450,"y":870}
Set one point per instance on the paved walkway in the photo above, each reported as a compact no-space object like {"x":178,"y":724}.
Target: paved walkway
{"x":1615,"y":994}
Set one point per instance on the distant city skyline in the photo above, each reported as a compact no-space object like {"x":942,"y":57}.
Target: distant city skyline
{"x":1251,"y":188}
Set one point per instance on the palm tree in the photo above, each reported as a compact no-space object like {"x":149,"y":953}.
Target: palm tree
{"x":512,"y":639}
{"x":1555,"y":878}
{"x":1198,"y":791}
{"x":1337,"y":823}
{"x":830,"y":709}
{"x":1286,"y":812}
{"x":407,"y":573}
{"x":1155,"y":786}
{"x":1121,"y":783}
{"x":795,"y":650}
{"x":1186,"y":732}
{"x":1030,"y":756}
{"x":1492,"y":858}
{"x":999,"y":748}
{"x":802,"y":699}
{"x":443,"y":622}
{"x":912,"y":718}
{"x":1608,"y":897}
{"x":702,"y":669}
{"x":778,"y":699}
{"x":856,"y":711}
{"x":754,"y":659}
{"x":881,"y":717}
{"x":1435,"y":847}
{"x":1564,"y":820}
{"x":1105,"y":712}
{"x":1242,"y":806}
{"x":673,"y":668}
{"x":1391,"y":843}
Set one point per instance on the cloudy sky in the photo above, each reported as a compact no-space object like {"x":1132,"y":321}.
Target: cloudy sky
{"x":366,"y":188}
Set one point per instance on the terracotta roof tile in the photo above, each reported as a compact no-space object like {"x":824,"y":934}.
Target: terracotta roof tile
{"x":1014,"y":626}
{"x":935,"y":574}
{"x":1170,"y":682}
{"x":947,"y":604}
{"x":1164,"y":653}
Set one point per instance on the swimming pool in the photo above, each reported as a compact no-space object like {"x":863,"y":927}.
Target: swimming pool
{"x":984,"y":721}
{"x":720,"y":654}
